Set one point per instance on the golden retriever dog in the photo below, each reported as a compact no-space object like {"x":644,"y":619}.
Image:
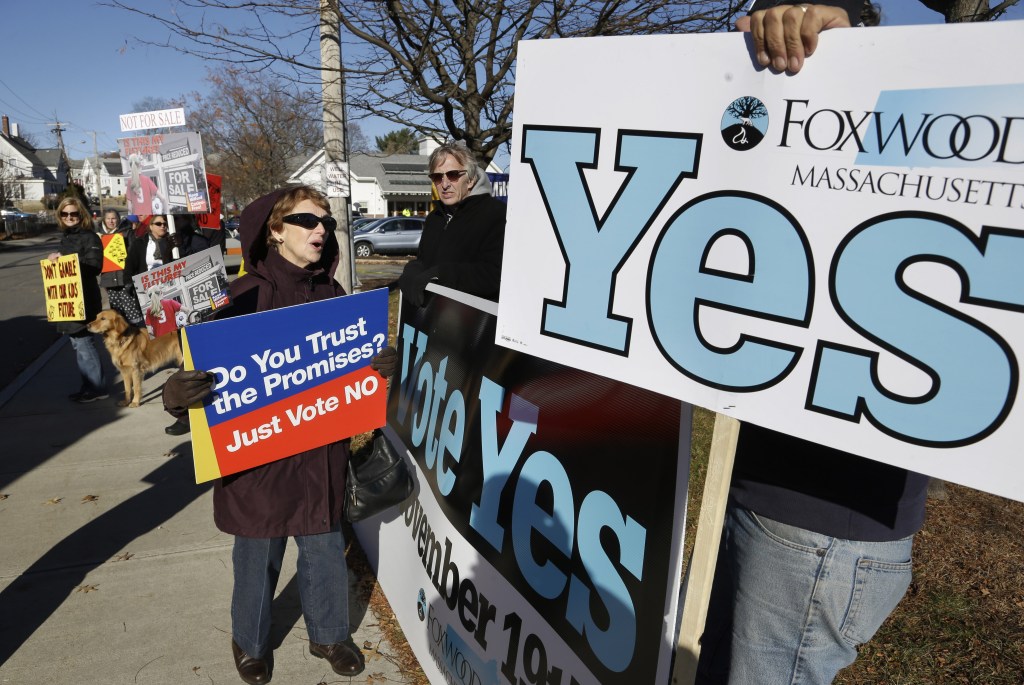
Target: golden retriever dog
{"x":134,"y":352}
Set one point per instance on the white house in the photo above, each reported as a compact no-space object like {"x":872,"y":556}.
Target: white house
{"x":381,"y":185}
{"x":111,"y":179}
{"x":26,"y":172}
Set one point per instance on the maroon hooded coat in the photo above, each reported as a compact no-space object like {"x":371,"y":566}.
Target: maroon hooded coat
{"x":303,"y":494}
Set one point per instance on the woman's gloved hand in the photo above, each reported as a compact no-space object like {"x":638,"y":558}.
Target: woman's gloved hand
{"x":184,"y":388}
{"x":386,"y":362}
{"x":413,"y":283}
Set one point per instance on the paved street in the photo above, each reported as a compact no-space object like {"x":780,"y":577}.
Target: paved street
{"x":111,"y":570}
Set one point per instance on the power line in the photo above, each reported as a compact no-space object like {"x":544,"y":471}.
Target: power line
{"x":27,"y":104}
{"x":21,"y":116}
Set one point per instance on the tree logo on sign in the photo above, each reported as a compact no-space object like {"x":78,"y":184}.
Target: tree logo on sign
{"x":744,"y":123}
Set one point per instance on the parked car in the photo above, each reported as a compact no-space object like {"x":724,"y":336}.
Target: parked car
{"x":361,"y":222}
{"x":232,"y":223}
{"x":392,"y":235}
{"x":15,"y":214}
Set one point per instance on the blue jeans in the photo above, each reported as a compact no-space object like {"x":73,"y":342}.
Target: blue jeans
{"x":322,"y":576}
{"x":791,"y":606}
{"x":89,"y":363}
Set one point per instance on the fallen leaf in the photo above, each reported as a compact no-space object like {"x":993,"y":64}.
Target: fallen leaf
{"x":3,"y":496}
{"x":367,"y":644}
{"x":86,"y":588}
{"x":90,"y":498}
{"x":54,"y":500}
{"x":124,"y":557}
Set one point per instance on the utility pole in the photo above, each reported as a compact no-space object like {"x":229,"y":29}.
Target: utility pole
{"x":96,"y":154}
{"x":57,"y":130}
{"x":333,"y":90}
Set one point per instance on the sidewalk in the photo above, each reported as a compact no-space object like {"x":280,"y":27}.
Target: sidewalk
{"x":111,"y":569}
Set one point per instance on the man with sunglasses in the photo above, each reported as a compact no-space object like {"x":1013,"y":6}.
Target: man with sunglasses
{"x":463,"y":236}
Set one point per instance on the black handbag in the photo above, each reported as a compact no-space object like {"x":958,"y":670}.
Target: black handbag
{"x":376,"y":481}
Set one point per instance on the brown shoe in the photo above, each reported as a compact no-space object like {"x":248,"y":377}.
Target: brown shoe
{"x":250,"y":669}
{"x":344,"y":657}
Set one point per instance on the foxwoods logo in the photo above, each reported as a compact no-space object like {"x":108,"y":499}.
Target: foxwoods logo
{"x":744,"y":123}
{"x":458,"y":664}
{"x":919,"y":128}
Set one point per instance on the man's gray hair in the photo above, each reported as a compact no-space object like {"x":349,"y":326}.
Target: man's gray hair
{"x":462,"y":155}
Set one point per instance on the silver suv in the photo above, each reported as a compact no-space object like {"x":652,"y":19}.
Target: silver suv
{"x":392,"y":235}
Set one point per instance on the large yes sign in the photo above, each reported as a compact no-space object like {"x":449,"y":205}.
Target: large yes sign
{"x":972,"y":369}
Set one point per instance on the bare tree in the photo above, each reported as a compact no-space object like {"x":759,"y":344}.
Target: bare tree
{"x":443,"y":68}
{"x":956,"y":11}
{"x":256,"y":130}
{"x":356,"y":141}
{"x":152,"y":103}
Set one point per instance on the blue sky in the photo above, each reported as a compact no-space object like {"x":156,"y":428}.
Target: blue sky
{"x":80,"y":63}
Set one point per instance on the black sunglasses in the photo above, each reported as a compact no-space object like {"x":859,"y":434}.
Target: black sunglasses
{"x":71,"y":215}
{"x":453,"y":175}
{"x":309,"y":221}
{"x":158,"y":223}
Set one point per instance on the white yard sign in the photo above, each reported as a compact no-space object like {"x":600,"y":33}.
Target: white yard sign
{"x":838,"y":255}
{"x":157,"y":119}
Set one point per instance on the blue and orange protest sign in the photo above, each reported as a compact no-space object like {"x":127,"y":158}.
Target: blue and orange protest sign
{"x":287,"y":381}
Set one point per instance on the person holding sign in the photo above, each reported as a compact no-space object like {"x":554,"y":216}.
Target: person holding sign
{"x":120,"y":293}
{"x":77,"y":237}
{"x":815,"y":552}
{"x":149,"y":251}
{"x":463,"y":238}
{"x":290,"y":253}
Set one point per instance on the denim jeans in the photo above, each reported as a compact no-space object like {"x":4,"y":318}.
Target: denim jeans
{"x":89,"y":363}
{"x":791,"y":606}
{"x":322,"y":576}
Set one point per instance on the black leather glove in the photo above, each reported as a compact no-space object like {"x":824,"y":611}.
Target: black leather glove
{"x":184,"y":388}
{"x":413,"y":283}
{"x":386,"y":362}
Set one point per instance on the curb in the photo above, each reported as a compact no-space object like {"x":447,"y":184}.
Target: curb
{"x":25,"y":376}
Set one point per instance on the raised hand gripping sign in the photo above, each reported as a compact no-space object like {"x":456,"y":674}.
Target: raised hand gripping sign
{"x":287,"y":381}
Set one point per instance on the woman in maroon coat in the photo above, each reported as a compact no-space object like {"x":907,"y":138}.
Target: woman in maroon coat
{"x":290,"y":253}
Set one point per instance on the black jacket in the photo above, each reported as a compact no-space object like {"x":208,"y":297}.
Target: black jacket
{"x":89,"y":248}
{"x":116,"y":279}
{"x":135,"y":263}
{"x":464,"y":245}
